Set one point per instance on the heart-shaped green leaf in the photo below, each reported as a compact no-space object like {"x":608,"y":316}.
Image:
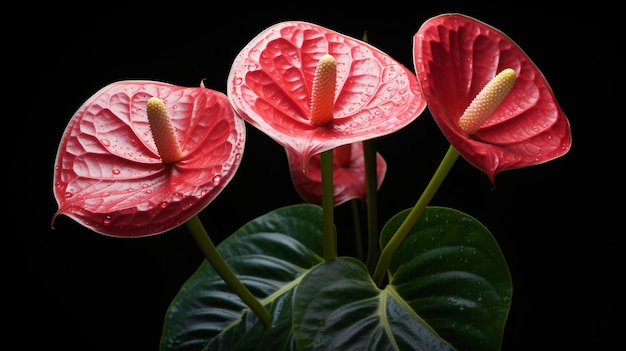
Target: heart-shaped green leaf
{"x":451,"y":271}
{"x":449,"y":285}
{"x":449,"y":288}
{"x":269,"y":255}
{"x":337,"y":306}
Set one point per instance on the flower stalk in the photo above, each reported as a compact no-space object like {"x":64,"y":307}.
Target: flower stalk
{"x":215,"y":259}
{"x":170,"y":151}
{"x":387,"y":253}
{"x":479,"y":110}
{"x":322,"y":103}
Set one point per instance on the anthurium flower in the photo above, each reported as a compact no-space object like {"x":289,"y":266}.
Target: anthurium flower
{"x":109,"y":175}
{"x":348,"y":174}
{"x":455,"y":57}
{"x":271,"y":82}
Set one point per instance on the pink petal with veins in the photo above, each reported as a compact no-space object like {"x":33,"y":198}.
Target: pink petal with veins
{"x":109,"y":177}
{"x":455,"y":56}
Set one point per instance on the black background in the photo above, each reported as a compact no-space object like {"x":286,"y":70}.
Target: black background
{"x":557,"y":223}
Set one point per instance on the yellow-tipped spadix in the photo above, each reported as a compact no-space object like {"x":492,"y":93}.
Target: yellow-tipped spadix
{"x":163,"y":131}
{"x":487,"y":101}
{"x":323,"y":91}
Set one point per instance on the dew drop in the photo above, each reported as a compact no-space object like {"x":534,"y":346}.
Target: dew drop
{"x":318,"y":341}
{"x":107,"y":220}
{"x":216,"y":180}
{"x":105,"y":142}
{"x":115,"y":171}
{"x":143,"y":206}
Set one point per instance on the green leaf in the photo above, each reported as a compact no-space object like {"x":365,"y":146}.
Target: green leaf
{"x":449,"y":285}
{"x":338,"y":307}
{"x":269,"y":255}
{"x":450,"y":270}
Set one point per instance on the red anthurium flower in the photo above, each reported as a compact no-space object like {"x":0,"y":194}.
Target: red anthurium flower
{"x":348,"y":175}
{"x":271,"y":81}
{"x":109,"y":175}
{"x":455,"y":57}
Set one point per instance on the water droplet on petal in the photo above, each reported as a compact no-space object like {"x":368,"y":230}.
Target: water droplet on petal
{"x":216,"y":180}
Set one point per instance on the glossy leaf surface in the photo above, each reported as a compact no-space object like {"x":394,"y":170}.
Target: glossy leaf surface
{"x":348,"y":180}
{"x":108,"y":173}
{"x":449,"y":288}
{"x":270,"y":84}
{"x":452,"y":273}
{"x":338,"y":307}
{"x":455,"y":56}
{"x":269,"y":255}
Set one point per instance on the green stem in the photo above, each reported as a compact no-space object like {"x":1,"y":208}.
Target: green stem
{"x":213,"y":256}
{"x":387,"y":253}
{"x":371,"y":200}
{"x":328,"y":206}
